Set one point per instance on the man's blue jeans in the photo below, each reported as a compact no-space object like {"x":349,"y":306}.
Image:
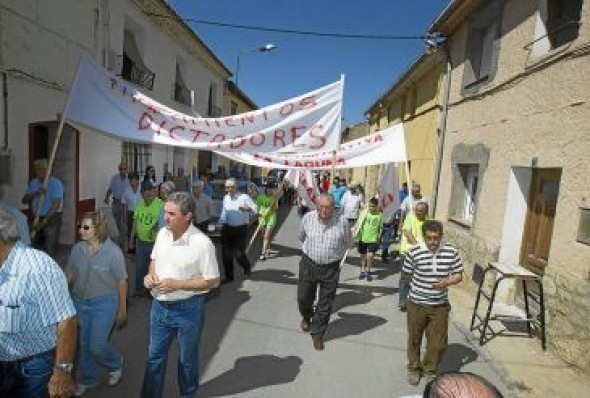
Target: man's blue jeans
{"x":143,"y":251}
{"x":96,"y":317}
{"x":27,"y":377}
{"x":183,"y":319}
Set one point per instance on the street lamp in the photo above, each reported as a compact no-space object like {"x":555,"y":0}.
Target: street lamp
{"x":263,"y":49}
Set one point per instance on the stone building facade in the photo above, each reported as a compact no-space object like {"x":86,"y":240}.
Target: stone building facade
{"x":514,"y":183}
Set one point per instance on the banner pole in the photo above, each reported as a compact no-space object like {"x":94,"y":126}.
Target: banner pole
{"x":60,"y":129}
{"x":332,"y":171}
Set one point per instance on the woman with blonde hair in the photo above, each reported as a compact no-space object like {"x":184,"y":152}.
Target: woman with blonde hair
{"x":98,"y":281}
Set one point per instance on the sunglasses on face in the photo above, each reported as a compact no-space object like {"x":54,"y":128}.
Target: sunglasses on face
{"x":85,"y":227}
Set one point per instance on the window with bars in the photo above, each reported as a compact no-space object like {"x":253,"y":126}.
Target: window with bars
{"x":137,"y":156}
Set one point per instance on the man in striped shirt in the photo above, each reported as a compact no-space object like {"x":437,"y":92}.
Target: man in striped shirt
{"x":430,"y":267}
{"x":325,"y":236}
{"x":38,"y":324}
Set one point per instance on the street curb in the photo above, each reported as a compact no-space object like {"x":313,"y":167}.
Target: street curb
{"x":497,"y":367}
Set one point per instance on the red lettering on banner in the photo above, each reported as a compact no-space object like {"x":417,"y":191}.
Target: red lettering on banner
{"x":229,"y":122}
{"x":171,"y":132}
{"x":278,"y":135}
{"x":144,"y":121}
{"x":378,"y":138}
{"x":252,"y":142}
{"x":307,"y":102}
{"x":320,"y":138}
{"x":217,"y":138}
{"x":387,"y":200}
{"x":240,"y":139}
{"x":264,"y":115}
{"x":161,"y":126}
{"x":340,"y":161}
{"x":289,"y":109}
{"x":197,"y":133}
{"x":247,"y":118}
{"x":264,"y":158}
{"x":295,"y":136}
{"x":309,"y":164}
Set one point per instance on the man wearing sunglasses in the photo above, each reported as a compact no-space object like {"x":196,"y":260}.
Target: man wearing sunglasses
{"x":235,"y":217}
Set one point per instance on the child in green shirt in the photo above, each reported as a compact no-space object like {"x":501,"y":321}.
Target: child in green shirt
{"x":267,"y":218}
{"x":370,"y":234}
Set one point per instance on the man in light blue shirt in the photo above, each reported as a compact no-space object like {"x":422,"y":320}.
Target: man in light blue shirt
{"x":46,"y":231}
{"x":38,"y":324}
{"x":338,"y":191}
{"x":235,"y":218}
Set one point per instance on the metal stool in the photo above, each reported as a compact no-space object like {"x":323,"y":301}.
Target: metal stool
{"x":507,"y":271}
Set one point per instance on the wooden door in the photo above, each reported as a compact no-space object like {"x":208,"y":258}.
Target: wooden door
{"x":538,"y":230}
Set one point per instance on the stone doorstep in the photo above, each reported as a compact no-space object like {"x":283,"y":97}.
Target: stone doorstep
{"x":519,"y":362}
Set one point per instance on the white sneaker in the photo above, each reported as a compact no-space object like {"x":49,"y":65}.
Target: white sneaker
{"x":81,"y":390}
{"x":115,"y":376}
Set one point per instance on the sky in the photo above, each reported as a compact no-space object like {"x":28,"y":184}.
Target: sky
{"x":303,"y":63}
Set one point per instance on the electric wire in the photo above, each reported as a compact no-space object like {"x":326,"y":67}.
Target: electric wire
{"x":292,"y":31}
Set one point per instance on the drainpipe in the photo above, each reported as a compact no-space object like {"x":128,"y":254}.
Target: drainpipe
{"x":5,"y":109}
{"x":443,"y":122}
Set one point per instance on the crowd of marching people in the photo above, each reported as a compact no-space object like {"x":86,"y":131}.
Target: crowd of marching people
{"x":164,"y":225}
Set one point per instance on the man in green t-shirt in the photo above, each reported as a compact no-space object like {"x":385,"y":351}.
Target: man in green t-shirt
{"x":145,"y":229}
{"x":370,"y":235}
{"x":411,"y":235}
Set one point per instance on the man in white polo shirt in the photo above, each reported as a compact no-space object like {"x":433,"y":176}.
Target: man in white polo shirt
{"x":182,"y":269}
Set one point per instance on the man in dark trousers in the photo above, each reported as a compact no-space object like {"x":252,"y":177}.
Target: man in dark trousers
{"x":325,"y":236}
{"x":235,"y":218}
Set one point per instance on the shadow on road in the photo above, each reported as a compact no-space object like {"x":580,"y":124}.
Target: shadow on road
{"x":349,"y":298}
{"x":350,"y":324}
{"x":456,"y":356}
{"x":251,"y":373}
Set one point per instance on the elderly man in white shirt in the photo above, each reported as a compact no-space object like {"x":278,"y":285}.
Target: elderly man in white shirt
{"x":183,"y":268}
{"x":235,"y":218}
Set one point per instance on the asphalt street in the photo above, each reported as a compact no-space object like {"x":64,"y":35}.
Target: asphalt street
{"x":252,"y":345}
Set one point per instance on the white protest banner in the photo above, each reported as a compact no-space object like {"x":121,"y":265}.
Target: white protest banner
{"x":385,"y":146}
{"x":109,"y":104}
{"x":305,"y":185}
{"x":389,"y":192}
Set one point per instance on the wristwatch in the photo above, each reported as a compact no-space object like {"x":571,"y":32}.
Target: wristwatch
{"x":65,"y":367}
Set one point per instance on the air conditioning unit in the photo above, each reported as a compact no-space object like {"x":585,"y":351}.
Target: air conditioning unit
{"x":6,"y":168}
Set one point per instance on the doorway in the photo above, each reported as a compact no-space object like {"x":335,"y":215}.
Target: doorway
{"x":65,"y":167}
{"x":538,"y":229}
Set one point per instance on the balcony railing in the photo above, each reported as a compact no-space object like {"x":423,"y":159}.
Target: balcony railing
{"x":137,"y":74}
{"x":182,"y":94}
